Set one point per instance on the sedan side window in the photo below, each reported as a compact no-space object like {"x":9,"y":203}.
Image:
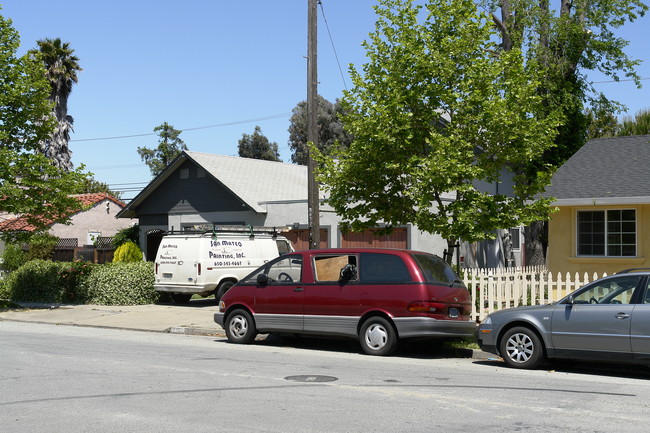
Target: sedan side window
{"x":611,"y":291}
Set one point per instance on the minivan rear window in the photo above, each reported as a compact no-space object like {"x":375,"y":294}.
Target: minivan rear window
{"x":383,"y":268}
{"x":434,"y":269}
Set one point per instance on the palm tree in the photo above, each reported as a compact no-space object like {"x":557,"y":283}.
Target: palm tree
{"x":61,"y":68}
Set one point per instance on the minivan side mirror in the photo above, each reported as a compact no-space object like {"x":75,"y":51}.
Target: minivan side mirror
{"x":262,"y":279}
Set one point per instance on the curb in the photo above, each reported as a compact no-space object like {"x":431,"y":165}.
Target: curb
{"x":188,"y":330}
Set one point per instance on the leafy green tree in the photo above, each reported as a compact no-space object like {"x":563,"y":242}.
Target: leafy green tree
{"x":61,"y":68}
{"x":434,"y":113}
{"x":330,"y":129}
{"x":30,"y":185}
{"x":257,"y":146}
{"x":637,"y":125}
{"x":602,"y":123}
{"x":127,"y":234}
{"x":91,"y":185}
{"x":169,"y":147}
{"x":567,"y":43}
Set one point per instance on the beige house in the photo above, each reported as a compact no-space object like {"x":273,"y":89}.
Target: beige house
{"x":95,"y":220}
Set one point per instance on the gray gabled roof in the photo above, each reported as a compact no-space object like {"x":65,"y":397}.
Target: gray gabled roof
{"x":605,"y":171}
{"x":254,"y":181}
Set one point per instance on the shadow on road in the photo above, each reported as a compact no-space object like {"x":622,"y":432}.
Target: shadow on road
{"x":629,"y":371}
{"x":416,"y":349}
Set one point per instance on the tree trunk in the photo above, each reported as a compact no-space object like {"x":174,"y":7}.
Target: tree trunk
{"x":535,"y":239}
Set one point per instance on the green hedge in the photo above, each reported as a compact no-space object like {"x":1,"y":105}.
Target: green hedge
{"x":121,"y":284}
{"x":80,"y":282}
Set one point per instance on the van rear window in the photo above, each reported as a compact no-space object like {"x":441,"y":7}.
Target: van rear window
{"x":383,"y":268}
{"x":434,"y":269}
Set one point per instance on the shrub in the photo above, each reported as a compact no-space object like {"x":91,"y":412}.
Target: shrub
{"x":121,"y":284}
{"x":71,"y":277}
{"x":127,"y":234}
{"x":41,"y":246}
{"x":35,"y":281}
{"x":13,"y":257}
{"x":128,"y":252}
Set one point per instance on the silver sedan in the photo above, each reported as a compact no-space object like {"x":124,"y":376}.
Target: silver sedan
{"x":607,"y":320}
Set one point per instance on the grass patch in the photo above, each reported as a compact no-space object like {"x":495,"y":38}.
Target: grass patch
{"x":463,"y":343}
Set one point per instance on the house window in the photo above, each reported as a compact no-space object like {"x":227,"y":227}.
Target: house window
{"x":610,"y":233}
{"x":515,"y":238}
{"x":185,"y":173}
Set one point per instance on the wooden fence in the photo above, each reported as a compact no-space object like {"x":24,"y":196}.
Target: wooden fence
{"x":498,"y":288}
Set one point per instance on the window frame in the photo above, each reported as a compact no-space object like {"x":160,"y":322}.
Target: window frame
{"x":606,"y":233}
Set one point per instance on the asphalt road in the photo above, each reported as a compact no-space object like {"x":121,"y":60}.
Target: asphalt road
{"x":73,"y":379}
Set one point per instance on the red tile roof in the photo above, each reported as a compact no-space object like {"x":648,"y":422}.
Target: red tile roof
{"x":87,"y":200}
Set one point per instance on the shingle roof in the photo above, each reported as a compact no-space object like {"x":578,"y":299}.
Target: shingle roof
{"x":87,"y":200}
{"x":256,"y":181}
{"x":605,"y":168}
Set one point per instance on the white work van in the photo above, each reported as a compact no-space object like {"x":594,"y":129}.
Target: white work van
{"x":210,"y":263}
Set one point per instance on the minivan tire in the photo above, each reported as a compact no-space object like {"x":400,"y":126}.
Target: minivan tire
{"x":240,"y":327}
{"x":378,"y":337}
{"x":520,"y":347}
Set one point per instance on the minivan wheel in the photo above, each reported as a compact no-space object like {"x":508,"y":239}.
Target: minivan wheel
{"x":240,"y":327}
{"x":222,"y":289}
{"x":520,"y":347}
{"x":378,"y":337}
{"x":181,"y":298}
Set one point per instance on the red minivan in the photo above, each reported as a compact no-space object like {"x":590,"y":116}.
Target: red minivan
{"x":377,"y":296}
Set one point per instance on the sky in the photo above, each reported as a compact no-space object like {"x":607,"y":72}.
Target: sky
{"x":214,"y":69}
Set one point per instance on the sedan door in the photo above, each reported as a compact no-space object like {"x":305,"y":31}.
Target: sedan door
{"x":598,"y":320}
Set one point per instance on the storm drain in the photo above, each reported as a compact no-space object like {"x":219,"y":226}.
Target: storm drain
{"x":311,"y":378}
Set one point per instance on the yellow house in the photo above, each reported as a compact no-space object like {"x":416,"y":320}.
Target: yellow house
{"x":603,"y":196}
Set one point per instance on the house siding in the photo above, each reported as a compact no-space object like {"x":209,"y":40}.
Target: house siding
{"x":191,"y":194}
{"x":100,"y":219}
{"x":562,"y":244}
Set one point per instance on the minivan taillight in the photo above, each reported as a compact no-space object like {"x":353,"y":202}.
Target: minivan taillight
{"x":427,"y":307}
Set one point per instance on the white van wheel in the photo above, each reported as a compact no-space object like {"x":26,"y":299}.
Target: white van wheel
{"x":222,"y":289}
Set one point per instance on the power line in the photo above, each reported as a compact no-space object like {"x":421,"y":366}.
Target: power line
{"x":237,"y":122}
{"x":336,"y":56}
{"x":618,"y":81}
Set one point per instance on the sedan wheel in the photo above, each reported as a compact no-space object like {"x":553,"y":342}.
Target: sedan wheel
{"x":240,"y":327}
{"x":378,"y":337}
{"x":521,"y":348}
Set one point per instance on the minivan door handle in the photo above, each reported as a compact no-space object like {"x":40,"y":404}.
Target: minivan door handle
{"x":298,"y":289}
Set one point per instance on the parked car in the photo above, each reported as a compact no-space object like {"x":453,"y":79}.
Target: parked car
{"x":607,"y":320}
{"x":189,"y":263}
{"x":378,"y":296}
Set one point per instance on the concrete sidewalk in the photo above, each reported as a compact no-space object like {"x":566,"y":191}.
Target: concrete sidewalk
{"x":197,"y":317}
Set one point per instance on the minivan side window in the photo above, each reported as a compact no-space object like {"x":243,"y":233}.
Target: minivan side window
{"x":286,"y":269}
{"x":434,"y":269}
{"x":383,"y":268}
{"x":335,"y":268}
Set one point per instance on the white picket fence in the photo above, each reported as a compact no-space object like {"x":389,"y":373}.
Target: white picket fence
{"x":498,"y":288}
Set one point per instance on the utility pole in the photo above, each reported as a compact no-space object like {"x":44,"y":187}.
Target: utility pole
{"x":313,"y":203}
